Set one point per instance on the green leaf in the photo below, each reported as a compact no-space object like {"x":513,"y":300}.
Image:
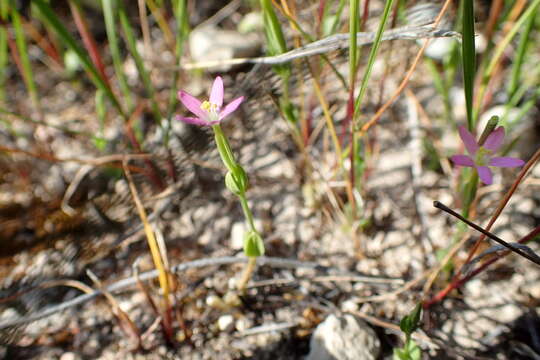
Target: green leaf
{"x":469,"y":190}
{"x":411,"y":351}
{"x":469,"y":58}
{"x":410,"y":322}
{"x":272,"y":29}
{"x":400,"y":354}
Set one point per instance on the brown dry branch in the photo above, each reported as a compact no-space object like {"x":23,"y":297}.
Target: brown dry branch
{"x":124,"y":321}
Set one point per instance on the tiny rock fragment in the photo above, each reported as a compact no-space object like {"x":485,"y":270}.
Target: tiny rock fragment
{"x":344,"y":338}
{"x":226,"y":322}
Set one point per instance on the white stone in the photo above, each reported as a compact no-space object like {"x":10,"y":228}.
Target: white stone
{"x":243,"y":324}
{"x":238,"y":230}
{"x":343,"y":338}
{"x":226,"y":323}
{"x":438,"y":49}
{"x":215,"y":302}
{"x":69,"y":356}
{"x":349,"y":305}
{"x":232,"y":299}
{"x":237,"y":235}
{"x":209,"y":43}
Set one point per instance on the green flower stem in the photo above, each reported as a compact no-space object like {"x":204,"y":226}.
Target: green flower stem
{"x":469,"y":193}
{"x":247,"y":211}
{"x":237,"y":182}
{"x":224,"y":149}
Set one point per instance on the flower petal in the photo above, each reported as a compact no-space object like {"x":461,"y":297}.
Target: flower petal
{"x":192,"y":103}
{"x":506,"y":161}
{"x":495,"y":139}
{"x":216,"y":95}
{"x":462,"y":160}
{"x":485,"y":174}
{"x":192,"y":120}
{"x":231,"y":107}
{"x":468,"y":140}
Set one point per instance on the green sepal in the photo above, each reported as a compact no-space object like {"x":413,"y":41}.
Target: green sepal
{"x":253,"y":244}
{"x":237,"y":180}
{"x":224,"y":148}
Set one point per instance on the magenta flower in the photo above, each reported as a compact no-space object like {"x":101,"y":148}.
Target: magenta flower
{"x":481,"y":156}
{"x":209,"y":112}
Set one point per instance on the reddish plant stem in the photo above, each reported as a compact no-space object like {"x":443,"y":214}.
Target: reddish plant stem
{"x":365,"y":16}
{"x":457,"y":283}
{"x":320,"y":14}
{"x":88,"y":40}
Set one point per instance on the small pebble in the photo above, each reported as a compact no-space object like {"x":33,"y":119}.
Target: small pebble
{"x":226,"y":322}
{"x":216,"y":302}
{"x":70,"y":356}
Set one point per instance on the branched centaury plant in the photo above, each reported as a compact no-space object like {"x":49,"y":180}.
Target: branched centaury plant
{"x":210,"y":113}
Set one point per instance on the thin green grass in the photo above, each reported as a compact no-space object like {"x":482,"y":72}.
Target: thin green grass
{"x":277,"y":45}
{"x":499,"y":50}
{"x":139,"y":63}
{"x":330,"y":22}
{"x":4,"y":52}
{"x":181,"y":33}
{"x":519,"y":58}
{"x":372,"y":57}
{"x":110,"y":16}
{"x":22,"y":49}
{"x":69,"y":41}
{"x":355,"y":156}
{"x":4,"y":56}
{"x":468,"y":51}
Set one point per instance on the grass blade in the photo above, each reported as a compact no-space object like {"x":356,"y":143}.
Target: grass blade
{"x":69,"y":41}
{"x":141,"y":69}
{"x":469,"y":58}
{"x":499,"y":50}
{"x":520,"y":55}
{"x":182,"y":31}
{"x":88,"y":40}
{"x":157,"y":12}
{"x":110,"y":17}
{"x":372,"y":56}
{"x":353,"y":46}
{"x":3,"y":63}
{"x":26,"y":67}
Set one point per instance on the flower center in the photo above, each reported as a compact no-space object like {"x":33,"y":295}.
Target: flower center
{"x":212,"y":110}
{"x":482,"y":156}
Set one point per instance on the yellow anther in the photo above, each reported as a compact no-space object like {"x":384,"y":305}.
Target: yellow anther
{"x":206,"y":105}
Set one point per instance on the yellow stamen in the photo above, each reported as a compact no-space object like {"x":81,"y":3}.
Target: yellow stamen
{"x":206,"y":105}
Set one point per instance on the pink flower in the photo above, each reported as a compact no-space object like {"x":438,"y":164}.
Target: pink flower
{"x":209,"y":112}
{"x":481,"y":156}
